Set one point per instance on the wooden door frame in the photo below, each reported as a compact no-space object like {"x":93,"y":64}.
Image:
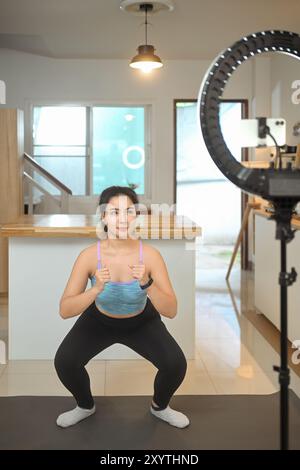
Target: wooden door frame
{"x":245,"y":264}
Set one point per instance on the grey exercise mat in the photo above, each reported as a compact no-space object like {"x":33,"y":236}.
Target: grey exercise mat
{"x":125,"y":422}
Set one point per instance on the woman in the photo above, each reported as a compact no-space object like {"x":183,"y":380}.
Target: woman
{"x":123,"y":305}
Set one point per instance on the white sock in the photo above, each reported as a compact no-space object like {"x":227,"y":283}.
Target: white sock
{"x":73,"y":416}
{"x":173,"y":417}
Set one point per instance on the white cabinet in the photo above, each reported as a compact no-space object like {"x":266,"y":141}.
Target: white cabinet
{"x":267,"y":268}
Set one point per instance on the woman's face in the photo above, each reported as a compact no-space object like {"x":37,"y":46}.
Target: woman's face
{"x":119,"y":213}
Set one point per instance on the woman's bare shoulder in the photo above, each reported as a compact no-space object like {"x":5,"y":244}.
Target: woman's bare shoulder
{"x":89,"y":255}
{"x":89,"y":250}
{"x":148,"y":248}
{"x":150,"y":252}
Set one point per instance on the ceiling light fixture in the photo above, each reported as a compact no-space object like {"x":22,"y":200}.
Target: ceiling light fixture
{"x":133,"y":6}
{"x":146,"y":60}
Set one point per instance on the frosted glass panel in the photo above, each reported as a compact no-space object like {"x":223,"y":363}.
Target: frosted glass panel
{"x":66,"y":150}
{"x":59,"y":125}
{"x":59,"y":135}
{"x":69,"y":170}
{"x":118,"y":147}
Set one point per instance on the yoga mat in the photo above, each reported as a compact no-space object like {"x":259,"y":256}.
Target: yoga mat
{"x":125,"y":422}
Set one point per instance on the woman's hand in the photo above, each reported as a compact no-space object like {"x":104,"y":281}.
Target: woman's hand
{"x":102,"y":276}
{"x":139,"y":272}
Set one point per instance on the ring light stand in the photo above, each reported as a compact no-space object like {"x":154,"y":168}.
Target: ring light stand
{"x":280,"y":186}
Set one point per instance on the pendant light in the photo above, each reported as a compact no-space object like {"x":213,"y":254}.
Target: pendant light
{"x":146,"y":60}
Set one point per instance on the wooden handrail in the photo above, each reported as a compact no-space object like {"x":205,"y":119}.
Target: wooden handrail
{"x":47,"y":174}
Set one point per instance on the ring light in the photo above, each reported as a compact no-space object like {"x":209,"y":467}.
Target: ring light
{"x":281,"y":186}
{"x":268,"y":183}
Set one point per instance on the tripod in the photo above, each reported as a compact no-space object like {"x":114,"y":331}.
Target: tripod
{"x":284,"y":210}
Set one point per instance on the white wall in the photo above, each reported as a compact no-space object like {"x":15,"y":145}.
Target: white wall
{"x":34,"y":79}
{"x":31,"y":79}
{"x":285,"y":70}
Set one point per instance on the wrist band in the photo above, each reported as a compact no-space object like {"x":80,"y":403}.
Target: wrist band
{"x":147,"y":284}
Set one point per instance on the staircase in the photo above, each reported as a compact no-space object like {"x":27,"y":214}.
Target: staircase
{"x":32,"y":201}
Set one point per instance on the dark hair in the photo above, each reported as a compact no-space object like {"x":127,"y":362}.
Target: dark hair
{"x":113,"y":191}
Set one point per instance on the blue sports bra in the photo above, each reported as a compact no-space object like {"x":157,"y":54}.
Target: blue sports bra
{"x":120,"y":298}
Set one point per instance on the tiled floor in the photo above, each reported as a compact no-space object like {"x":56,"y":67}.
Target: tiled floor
{"x":232,"y":357}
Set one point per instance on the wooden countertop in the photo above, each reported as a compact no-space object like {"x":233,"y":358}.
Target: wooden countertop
{"x":81,"y":225}
{"x":295,"y":219}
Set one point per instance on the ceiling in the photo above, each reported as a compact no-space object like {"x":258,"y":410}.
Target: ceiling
{"x":99,"y":29}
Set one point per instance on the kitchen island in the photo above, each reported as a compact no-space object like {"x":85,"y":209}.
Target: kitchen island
{"x":41,"y":252}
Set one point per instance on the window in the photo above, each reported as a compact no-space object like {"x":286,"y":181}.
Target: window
{"x":119,"y":147}
{"x":60,"y":145}
{"x":89,"y":148}
{"x":194,"y":163}
{"x":203,"y":193}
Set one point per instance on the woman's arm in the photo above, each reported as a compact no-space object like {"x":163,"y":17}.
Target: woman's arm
{"x":161,"y":292}
{"x":75,"y":299}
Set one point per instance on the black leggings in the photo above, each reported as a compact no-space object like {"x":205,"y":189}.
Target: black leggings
{"x":145,"y":333}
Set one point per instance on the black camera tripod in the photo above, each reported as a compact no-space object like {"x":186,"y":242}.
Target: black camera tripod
{"x":283,"y":212}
